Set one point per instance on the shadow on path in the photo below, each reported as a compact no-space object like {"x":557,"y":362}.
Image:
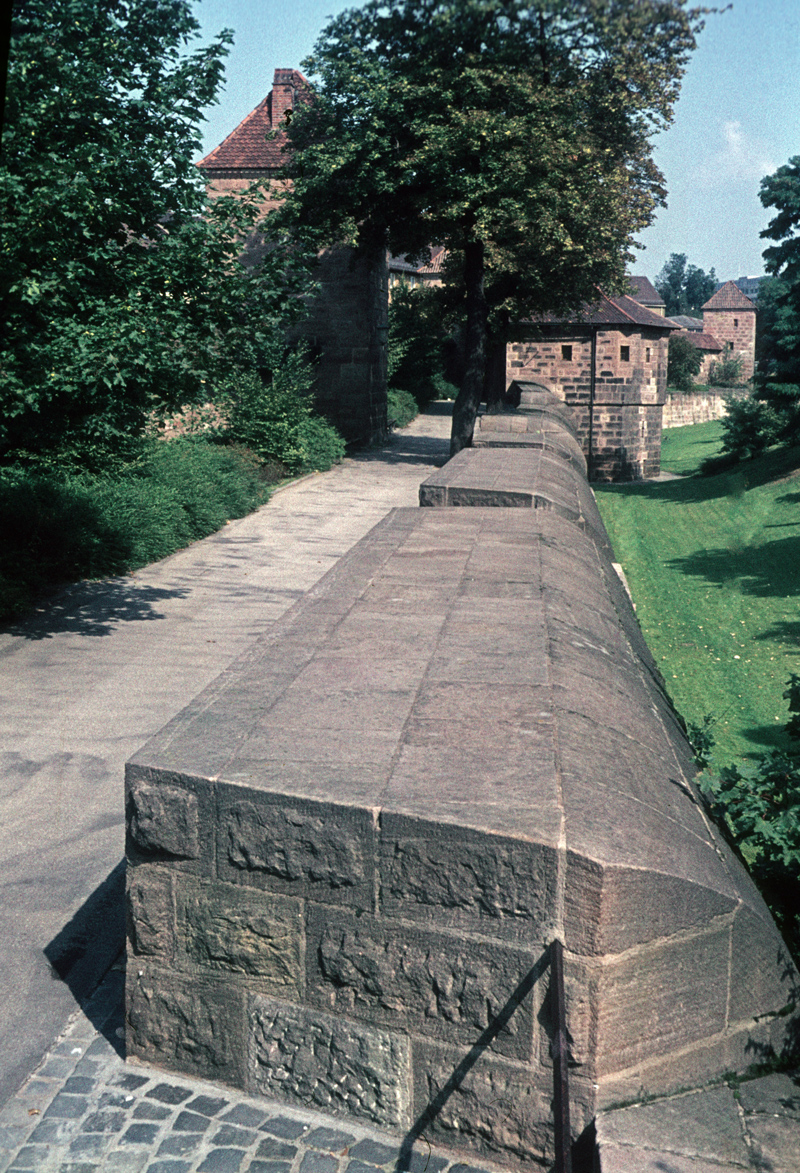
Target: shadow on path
{"x":93,"y":609}
{"x":82,"y":953}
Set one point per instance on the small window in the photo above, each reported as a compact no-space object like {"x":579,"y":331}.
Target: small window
{"x":625,"y":354}
{"x":729,"y":346}
{"x":566,"y":353}
{"x":647,"y":354}
{"x":735,"y":322}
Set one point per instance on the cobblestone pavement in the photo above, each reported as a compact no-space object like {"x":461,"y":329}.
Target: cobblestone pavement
{"x":85,"y":1110}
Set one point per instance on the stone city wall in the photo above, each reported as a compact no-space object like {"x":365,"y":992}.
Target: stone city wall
{"x":348,"y":857}
{"x":699,"y":407}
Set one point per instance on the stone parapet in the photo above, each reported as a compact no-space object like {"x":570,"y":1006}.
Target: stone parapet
{"x":348,"y":857}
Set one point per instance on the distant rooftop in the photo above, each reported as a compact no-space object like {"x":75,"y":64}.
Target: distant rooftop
{"x":729,"y":297}
{"x":247,"y":150}
{"x":643,"y":290}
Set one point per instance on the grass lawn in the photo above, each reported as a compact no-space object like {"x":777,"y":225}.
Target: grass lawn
{"x":713,"y":564}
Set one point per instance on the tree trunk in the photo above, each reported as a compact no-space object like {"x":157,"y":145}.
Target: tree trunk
{"x":494,"y":387}
{"x":469,"y":397}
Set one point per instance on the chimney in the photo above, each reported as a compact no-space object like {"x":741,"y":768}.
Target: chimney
{"x":282,"y":97}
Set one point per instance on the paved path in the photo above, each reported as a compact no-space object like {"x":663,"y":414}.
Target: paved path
{"x":88,"y":678}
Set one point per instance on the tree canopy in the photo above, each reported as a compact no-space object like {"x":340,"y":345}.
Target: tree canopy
{"x":779,"y":299}
{"x":121,"y":296}
{"x":516,"y":135}
{"x":684,"y":288}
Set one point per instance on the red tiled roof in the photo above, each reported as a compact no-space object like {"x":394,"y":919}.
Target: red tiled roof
{"x":729,"y":297}
{"x":703,"y":341}
{"x":644,"y":291}
{"x":247,"y":148}
{"x":612,"y":311}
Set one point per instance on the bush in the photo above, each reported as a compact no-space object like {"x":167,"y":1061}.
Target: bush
{"x":683,"y":363}
{"x":758,"y":809}
{"x":725,"y":373}
{"x":272,"y":413}
{"x":749,"y":427}
{"x":59,"y":528}
{"x":402,"y":408}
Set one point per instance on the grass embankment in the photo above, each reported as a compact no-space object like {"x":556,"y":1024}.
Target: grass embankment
{"x":714,"y":567}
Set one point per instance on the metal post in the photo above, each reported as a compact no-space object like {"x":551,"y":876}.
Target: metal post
{"x":563,"y":1137}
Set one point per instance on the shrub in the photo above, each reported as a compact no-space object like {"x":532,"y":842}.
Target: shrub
{"x":59,"y":528}
{"x":749,"y":427}
{"x":272,"y":413}
{"x":683,"y":363}
{"x":402,"y":408}
{"x":726,"y":372}
{"x":758,"y":809}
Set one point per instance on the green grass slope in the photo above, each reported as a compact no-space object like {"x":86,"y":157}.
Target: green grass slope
{"x":714,"y":568}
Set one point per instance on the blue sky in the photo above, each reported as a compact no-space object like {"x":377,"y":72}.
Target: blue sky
{"x":738,"y":117}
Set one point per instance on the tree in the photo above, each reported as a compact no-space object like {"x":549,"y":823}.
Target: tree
{"x":778,"y":345}
{"x":516,"y":136}
{"x":683,"y":362}
{"x":684,"y":288}
{"x":121,"y":296}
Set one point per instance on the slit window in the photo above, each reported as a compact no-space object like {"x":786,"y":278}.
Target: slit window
{"x":566,"y":353}
{"x":735,"y":322}
{"x":625,"y":354}
{"x":647,"y":354}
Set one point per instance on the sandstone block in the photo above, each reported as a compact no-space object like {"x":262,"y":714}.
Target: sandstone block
{"x":237,"y":930}
{"x":461,"y":878}
{"x":193,"y":1026}
{"x":151,"y":911}
{"x":429,"y":983}
{"x":762,"y":973}
{"x":655,"y":1000}
{"x":328,"y":1063}
{"x":481,"y":1103}
{"x":163,"y":820}
{"x":296,"y":846}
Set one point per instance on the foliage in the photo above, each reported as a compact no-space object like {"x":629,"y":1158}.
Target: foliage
{"x":120,"y":300}
{"x":758,"y":807}
{"x":684,"y":288}
{"x":714,"y":567}
{"x":271,"y":412}
{"x":418,"y":332}
{"x":778,"y":342}
{"x":683,"y":363}
{"x":56,"y":528}
{"x":401,"y":408}
{"x":702,"y":740}
{"x":725,"y":372}
{"x":749,"y":427}
{"x":518,"y":138}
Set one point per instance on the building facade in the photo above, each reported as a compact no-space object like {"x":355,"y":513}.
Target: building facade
{"x":347,"y":329}
{"x":610,"y":368}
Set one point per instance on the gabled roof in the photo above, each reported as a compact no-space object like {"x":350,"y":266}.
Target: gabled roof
{"x":686,"y":322}
{"x":704,"y":341}
{"x":611,"y":311}
{"x":729,"y":297}
{"x":401,"y":264}
{"x":247,"y":148}
{"x":644,"y":291}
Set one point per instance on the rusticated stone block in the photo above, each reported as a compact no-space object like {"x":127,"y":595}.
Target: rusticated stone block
{"x":429,"y":983}
{"x":196,"y":1026}
{"x":328,"y":1062}
{"x":656,"y":999}
{"x":473,"y":1101}
{"x":580,"y":998}
{"x":168,"y":817}
{"x":296,"y":846}
{"x":151,"y":911}
{"x":239,"y":931}
{"x":460,"y":878}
